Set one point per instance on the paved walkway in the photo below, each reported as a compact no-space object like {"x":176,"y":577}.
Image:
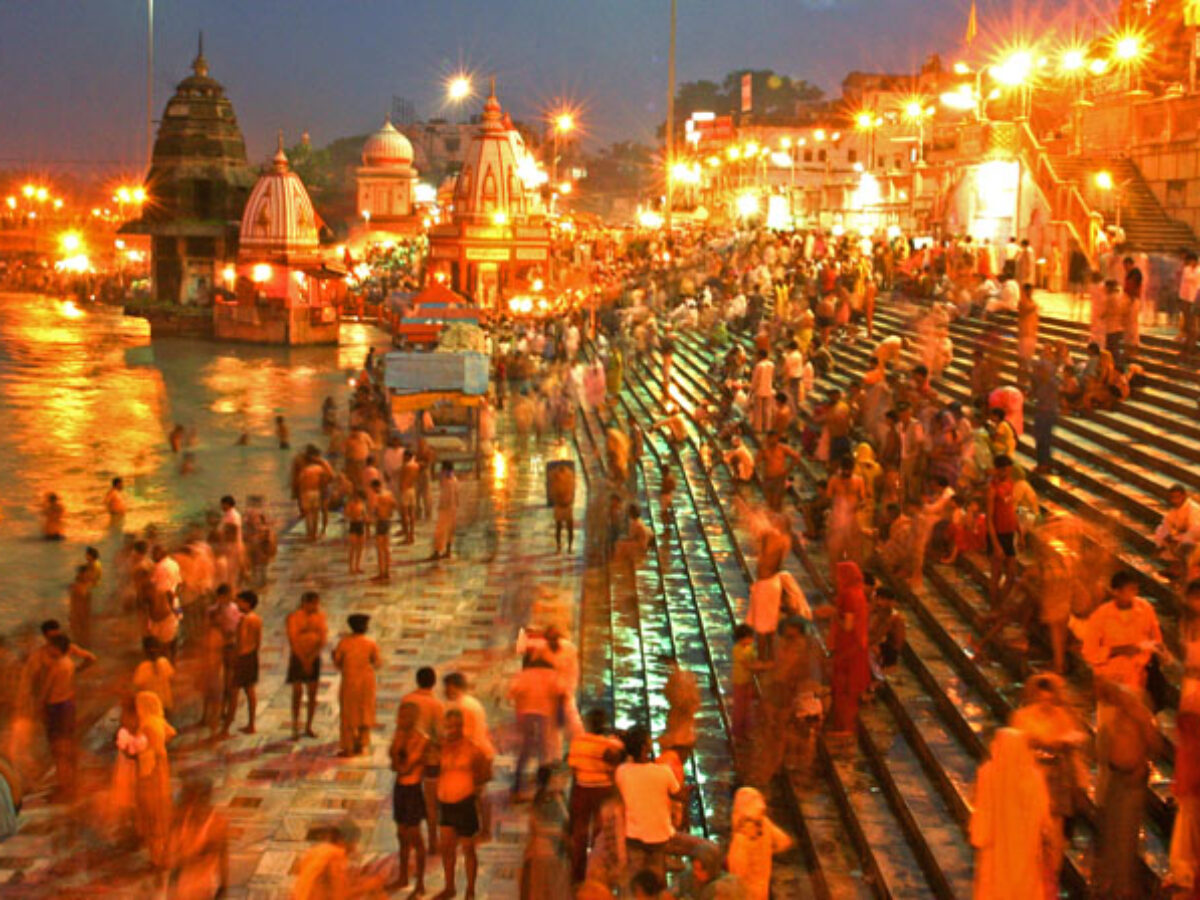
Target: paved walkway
{"x":459,"y":615}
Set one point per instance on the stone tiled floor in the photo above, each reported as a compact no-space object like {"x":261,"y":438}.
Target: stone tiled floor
{"x":462,"y":615}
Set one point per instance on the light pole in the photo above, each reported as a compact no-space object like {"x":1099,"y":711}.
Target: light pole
{"x":459,"y":89}
{"x":563,"y":123}
{"x":670,"y":156}
{"x":149,"y":82}
{"x":869,"y":122}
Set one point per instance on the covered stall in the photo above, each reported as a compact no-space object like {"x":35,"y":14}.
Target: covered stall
{"x":438,"y":397}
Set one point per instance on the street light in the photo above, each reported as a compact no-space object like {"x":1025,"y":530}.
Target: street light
{"x":868,"y":121}
{"x":562,"y":122}
{"x":459,"y":87}
{"x":915,"y":110}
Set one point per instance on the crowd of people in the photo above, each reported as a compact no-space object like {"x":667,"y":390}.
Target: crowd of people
{"x":844,"y":453}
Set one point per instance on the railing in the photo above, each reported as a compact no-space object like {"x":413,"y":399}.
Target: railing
{"x":1066,"y":203}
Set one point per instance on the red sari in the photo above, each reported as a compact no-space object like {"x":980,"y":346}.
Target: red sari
{"x":851,"y":660}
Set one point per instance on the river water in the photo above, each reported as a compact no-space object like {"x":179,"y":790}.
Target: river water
{"x":85,"y":396}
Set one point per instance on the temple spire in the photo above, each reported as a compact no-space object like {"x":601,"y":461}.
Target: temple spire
{"x":200,"y":64}
{"x":281,"y":160}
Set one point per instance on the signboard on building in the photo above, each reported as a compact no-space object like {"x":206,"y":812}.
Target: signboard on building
{"x":717,"y":129}
{"x":487,"y":254}
{"x":1191,"y":13}
{"x":530,"y":254}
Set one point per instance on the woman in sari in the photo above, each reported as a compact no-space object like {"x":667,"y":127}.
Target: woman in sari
{"x":357,"y":658}
{"x":851,"y":657}
{"x":1011,"y":821}
{"x":154,"y":776}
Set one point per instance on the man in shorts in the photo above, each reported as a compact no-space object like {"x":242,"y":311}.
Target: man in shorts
{"x":462,"y":774}
{"x":383,"y":504}
{"x":308,"y":633}
{"x":410,"y":472}
{"x":245,"y":661}
{"x":310,"y":489}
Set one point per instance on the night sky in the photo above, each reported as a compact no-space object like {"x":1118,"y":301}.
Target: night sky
{"x":73,"y":71}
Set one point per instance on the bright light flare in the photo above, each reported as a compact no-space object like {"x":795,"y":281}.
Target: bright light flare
{"x":747,"y":205}
{"x":70,"y":242}
{"x":1098,"y":66}
{"x":499,"y":217}
{"x":261,"y":273}
{"x":1104,"y":180}
{"x":27,"y":191}
{"x":1129,"y":47}
{"x":1015,"y":69}
{"x":1072,"y":60}
{"x":564,"y":122}
{"x":648,"y":218}
{"x":459,"y":87}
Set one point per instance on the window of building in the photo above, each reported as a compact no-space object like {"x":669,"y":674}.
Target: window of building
{"x":821,"y":156}
{"x":808,"y":157}
{"x":852,"y":156}
{"x":452,"y":144}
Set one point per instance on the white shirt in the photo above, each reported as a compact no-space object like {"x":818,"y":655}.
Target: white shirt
{"x":646,"y":790}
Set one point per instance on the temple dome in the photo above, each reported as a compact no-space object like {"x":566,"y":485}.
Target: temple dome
{"x":387,"y":147}
{"x":279,"y":221}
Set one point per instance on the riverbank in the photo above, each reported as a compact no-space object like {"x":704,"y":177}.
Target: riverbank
{"x":459,"y":615}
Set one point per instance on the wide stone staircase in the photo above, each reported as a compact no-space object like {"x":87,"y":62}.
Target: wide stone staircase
{"x":1147,"y":225}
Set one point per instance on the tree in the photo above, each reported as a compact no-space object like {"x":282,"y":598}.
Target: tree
{"x":771,"y":94}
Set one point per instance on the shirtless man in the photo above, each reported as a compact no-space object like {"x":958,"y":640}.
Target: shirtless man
{"x":57,"y":696}
{"x":310,"y":487}
{"x":358,"y":447}
{"x":114,"y":501}
{"x":248,"y":641}
{"x":426,"y":458}
{"x":383,"y":504}
{"x":410,"y":473}
{"x":53,"y":513}
{"x":774,"y":461}
{"x":308,"y":632}
{"x":463,"y":772}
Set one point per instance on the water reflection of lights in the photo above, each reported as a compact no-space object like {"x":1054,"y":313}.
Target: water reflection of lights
{"x":499,"y":469}
{"x":71,"y":311}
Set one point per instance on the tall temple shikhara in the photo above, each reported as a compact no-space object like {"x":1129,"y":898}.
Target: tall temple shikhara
{"x":197,"y":186}
{"x":494,"y":241}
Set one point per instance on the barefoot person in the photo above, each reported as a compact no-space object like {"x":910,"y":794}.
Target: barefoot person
{"x":356,"y":529}
{"x":383,"y":504}
{"x":408,"y":800}
{"x":357,"y":658}
{"x":464,"y":770}
{"x":410,"y":472}
{"x":308,"y":632}
{"x":443,"y":529}
{"x":245,"y":662}
{"x":310,"y":488}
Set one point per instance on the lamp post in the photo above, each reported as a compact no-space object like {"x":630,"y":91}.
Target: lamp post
{"x":670,"y":156}
{"x":563,"y":123}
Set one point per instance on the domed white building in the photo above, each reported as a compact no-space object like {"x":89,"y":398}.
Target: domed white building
{"x":386,"y":181}
{"x":284,"y":290}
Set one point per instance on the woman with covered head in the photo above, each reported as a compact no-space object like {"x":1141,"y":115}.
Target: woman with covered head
{"x":1011,"y":822}
{"x":851,"y":655}
{"x":357,"y":658}
{"x":754,"y":840}
{"x":153,"y":776}
{"x":1055,"y":736}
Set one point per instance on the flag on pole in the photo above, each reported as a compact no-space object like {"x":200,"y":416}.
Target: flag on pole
{"x":972,"y":25}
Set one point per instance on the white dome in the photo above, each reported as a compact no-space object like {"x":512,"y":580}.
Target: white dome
{"x":279,"y":219}
{"x":387,"y":147}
